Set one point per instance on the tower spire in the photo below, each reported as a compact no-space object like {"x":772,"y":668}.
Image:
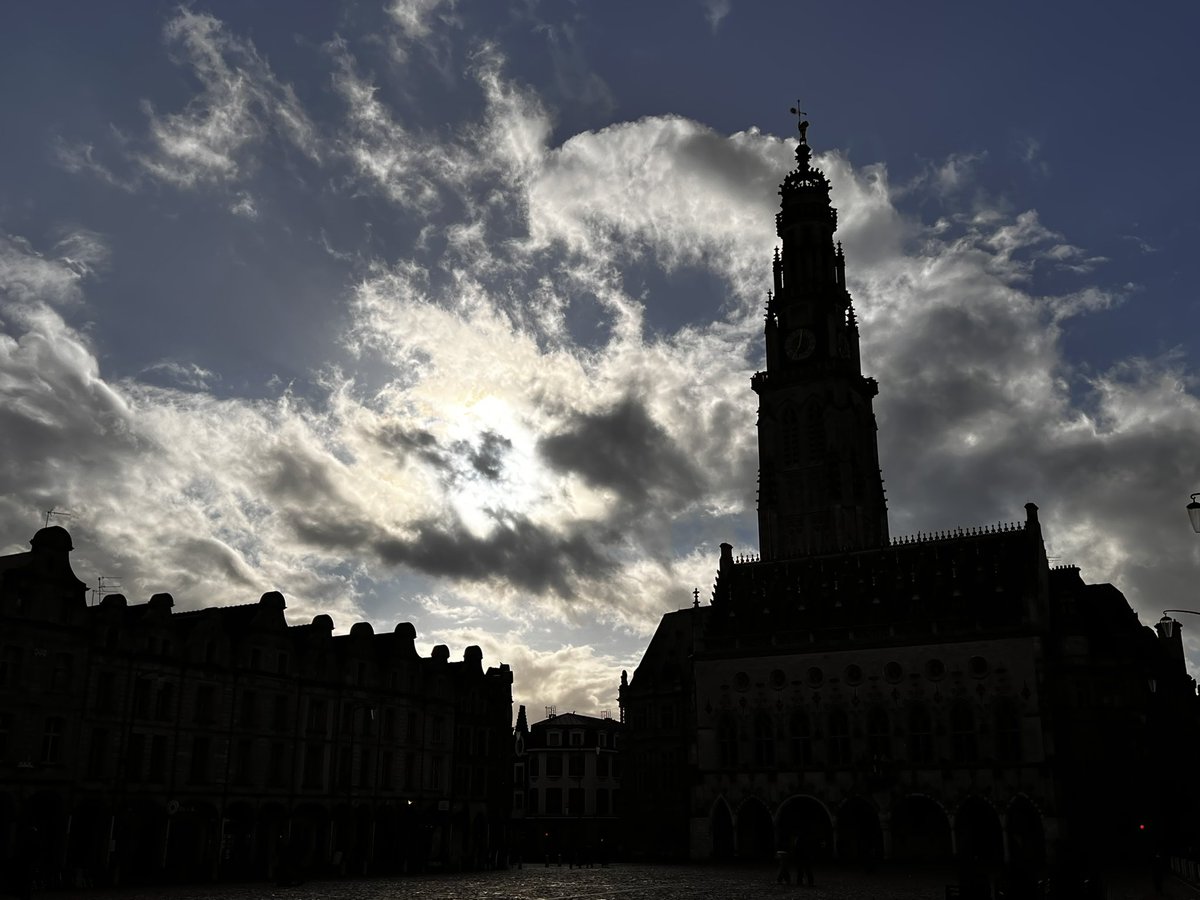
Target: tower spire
{"x":820,"y":488}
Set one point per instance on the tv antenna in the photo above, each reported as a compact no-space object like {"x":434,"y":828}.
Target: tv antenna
{"x":105,"y":584}
{"x":57,"y":512}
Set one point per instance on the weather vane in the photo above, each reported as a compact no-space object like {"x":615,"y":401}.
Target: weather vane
{"x":802,"y":124}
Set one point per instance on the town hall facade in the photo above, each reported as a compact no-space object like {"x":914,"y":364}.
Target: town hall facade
{"x":917,"y":698}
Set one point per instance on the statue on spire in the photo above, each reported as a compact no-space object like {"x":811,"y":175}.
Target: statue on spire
{"x":802,"y":124}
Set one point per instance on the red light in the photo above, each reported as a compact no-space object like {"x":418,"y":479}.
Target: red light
{"x":1141,"y":828}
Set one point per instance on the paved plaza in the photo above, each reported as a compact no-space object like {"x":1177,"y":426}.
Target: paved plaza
{"x":636,"y":882}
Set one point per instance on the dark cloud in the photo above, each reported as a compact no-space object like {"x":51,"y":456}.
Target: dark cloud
{"x":521,"y":552}
{"x":488,"y":457}
{"x":624,"y":450}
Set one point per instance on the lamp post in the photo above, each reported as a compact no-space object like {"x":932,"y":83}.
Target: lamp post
{"x":1193,"y":510}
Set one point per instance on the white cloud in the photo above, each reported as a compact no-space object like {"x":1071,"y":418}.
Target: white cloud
{"x":241,"y":103}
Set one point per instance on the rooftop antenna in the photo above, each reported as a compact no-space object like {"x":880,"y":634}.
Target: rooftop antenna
{"x":105,"y":584}
{"x":551,"y":712}
{"x":56,"y":512}
{"x":606,"y":714}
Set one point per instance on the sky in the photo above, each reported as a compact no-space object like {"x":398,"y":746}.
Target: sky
{"x":446,"y":312}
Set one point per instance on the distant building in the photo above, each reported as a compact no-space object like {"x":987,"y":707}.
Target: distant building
{"x":567,"y":774}
{"x":940,"y":695}
{"x":140,"y":743}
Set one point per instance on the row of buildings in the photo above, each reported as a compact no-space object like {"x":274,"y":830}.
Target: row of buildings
{"x":141,"y":743}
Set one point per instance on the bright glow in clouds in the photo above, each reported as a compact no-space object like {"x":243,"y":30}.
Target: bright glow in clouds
{"x":533,"y":424}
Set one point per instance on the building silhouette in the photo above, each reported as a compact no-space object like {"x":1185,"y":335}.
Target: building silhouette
{"x":567,"y":789}
{"x":138,"y":743}
{"x":870,"y":697}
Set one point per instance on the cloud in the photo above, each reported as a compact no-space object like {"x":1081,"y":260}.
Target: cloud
{"x":540,"y":423}
{"x":240,"y":105}
{"x":715,"y":12}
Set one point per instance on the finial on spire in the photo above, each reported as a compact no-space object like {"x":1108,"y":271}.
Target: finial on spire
{"x":802,"y":124}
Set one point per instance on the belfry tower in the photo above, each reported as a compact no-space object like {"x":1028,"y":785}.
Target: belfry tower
{"x":820,"y":488}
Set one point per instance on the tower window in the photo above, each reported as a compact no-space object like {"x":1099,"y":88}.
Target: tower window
{"x":791,"y":446}
{"x":816,"y":432}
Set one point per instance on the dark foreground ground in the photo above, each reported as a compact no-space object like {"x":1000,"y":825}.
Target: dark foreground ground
{"x":635,"y":882}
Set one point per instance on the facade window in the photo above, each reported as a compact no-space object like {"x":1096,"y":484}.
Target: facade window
{"x":158,"y":759}
{"x":839,"y":738}
{"x":575,"y":805}
{"x":802,"y":745}
{"x":554,"y":739}
{"x":603,"y":739}
{"x":314,"y":765}
{"x":1008,"y":732}
{"x":385,"y":770}
{"x":602,"y":801}
{"x":275,"y":771}
{"x":602,"y":765}
{"x":6,"y":728}
{"x":436,"y":777}
{"x":575,"y":765}
{"x":97,"y":753}
{"x":316,"y":716}
{"x":764,"y":741}
{"x":243,"y":761}
{"x":727,"y":741}
{"x":366,"y":771}
{"x":410,"y":728}
{"x":879,"y":733}
{"x":920,"y":736}
{"x":533,"y":765}
{"x":10,"y":667}
{"x":962,"y":728}
{"x":164,"y":709}
{"x":389,"y":723}
{"x":518,"y":801}
{"x":205,"y":703}
{"x":410,"y":771}
{"x":52,"y":738}
{"x":135,"y":755}
{"x":201,"y":753}
{"x":554,"y":801}
{"x":141,"y":697}
{"x":249,"y":718}
{"x":60,"y":675}
{"x":105,"y":691}
{"x":554,"y":765}
{"x":279,"y":716}
{"x":576,"y":738}
{"x":438,"y":731}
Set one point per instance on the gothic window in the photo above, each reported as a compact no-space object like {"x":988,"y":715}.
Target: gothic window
{"x":879,"y":733}
{"x":802,"y":749}
{"x":1008,"y":731}
{"x":764,"y":741}
{"x":792,"y":445}
{"x":816,"y":432}
{"x":727,"y":741}
{"x":839,"y":738}
{"x":920,"y":736}
{"x":962,"y":728}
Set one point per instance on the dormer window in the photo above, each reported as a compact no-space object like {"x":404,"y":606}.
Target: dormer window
{"x":554,"y":738}
{"x":576,"y":738}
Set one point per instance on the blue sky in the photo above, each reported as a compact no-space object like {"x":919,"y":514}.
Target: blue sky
{"x":446,"y":311}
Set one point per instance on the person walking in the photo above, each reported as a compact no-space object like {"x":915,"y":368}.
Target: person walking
{"x":802,"y":861}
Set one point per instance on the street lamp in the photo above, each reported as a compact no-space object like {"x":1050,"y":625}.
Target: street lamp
{"x":1167,"y":625}
{"x":1193,"y":509}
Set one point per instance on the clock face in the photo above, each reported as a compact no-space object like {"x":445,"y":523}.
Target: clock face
{"x":800,"y":343}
